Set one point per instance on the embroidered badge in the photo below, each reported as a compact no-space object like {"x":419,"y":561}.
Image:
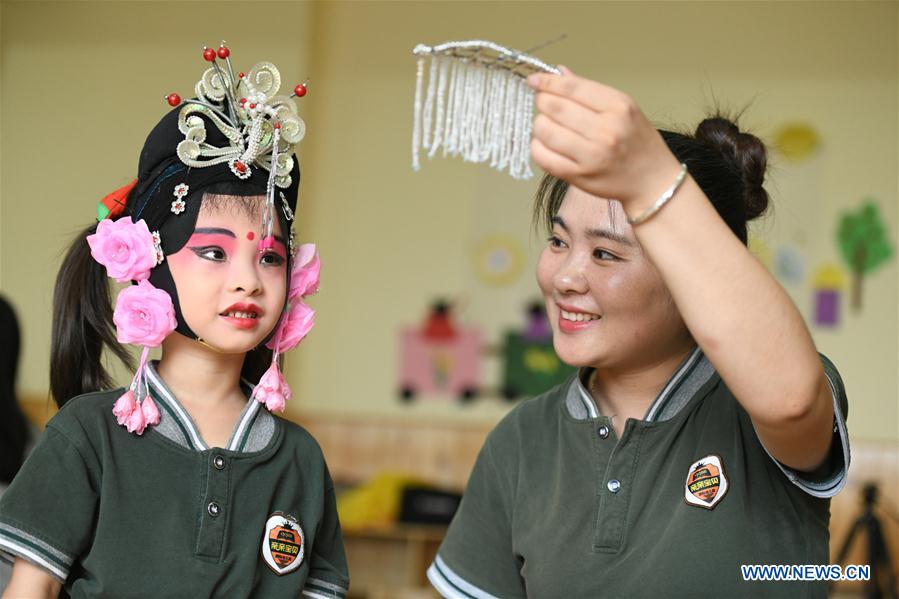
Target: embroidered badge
{"x":706,"y":482}
{"x":283,"y":543}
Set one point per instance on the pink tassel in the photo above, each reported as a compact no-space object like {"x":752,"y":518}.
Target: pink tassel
{"x":150,"y":411}
{"x":136,"y":422}
{"x":123,"y":407}
{"x":272,"y":389}
{"x":133,"y":416}
{"x":285,"y":395}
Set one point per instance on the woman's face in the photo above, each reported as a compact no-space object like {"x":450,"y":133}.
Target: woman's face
{"x":231,"y":295}
{"x":607,"y":303}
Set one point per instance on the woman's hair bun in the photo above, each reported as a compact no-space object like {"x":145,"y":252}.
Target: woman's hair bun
{"x":745,"y":152}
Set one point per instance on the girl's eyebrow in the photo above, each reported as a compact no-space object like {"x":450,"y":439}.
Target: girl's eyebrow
{"x":214,"y":231}
{"x":227,"y":233}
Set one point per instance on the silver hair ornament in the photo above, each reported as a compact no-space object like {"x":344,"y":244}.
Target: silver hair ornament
{"x":477,"y":104}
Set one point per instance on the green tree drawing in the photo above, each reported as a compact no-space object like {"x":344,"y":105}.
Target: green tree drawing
{"x":863,"y":244}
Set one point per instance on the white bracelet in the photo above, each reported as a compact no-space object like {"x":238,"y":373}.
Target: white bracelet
{"x":663,"y":199}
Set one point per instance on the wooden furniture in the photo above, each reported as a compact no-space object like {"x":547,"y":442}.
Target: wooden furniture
{"x":391,"y":563}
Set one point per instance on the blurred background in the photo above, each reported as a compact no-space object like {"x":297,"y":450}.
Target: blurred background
{"x":426,"y":333}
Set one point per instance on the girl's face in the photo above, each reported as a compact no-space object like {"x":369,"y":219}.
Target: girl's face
{"x":231,"y":296}
{"x":607,"y":303}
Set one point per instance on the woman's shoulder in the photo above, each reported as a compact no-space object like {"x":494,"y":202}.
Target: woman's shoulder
{"x":539,"y":412}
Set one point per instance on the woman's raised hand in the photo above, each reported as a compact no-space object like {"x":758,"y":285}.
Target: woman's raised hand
{"x":597,"y":138}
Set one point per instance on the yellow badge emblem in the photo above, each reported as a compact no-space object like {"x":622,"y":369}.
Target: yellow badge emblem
{"x":706,"y":482}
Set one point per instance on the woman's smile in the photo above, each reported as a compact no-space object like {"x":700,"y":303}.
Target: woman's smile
{"x":572,"y":320}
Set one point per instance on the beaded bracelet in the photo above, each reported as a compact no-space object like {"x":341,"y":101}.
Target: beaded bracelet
{"x":663,"y":199}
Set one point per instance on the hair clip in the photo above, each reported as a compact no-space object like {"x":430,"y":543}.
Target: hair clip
{"x":178,"y":205}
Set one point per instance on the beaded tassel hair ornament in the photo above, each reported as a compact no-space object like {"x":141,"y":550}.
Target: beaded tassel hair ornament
{"x":234,"y":127}
{"x":477,"y":104}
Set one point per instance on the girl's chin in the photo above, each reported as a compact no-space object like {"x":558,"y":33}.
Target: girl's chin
{"x":227,"y":344}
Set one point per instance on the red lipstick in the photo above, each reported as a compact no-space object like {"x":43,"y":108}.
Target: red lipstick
{"x":242,"y":315}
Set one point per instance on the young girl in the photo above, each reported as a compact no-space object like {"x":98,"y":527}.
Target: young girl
{"x":703,"y":431}
{"x":184,"y":485}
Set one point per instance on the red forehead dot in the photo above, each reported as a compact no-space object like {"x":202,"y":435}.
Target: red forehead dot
{"x":251,"y":236}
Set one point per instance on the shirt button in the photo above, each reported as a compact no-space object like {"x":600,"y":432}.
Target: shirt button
{"x":219,"y":462}
{"x":214,"y":509}
{"x":603,"y":432}
{"x":614,"y":485}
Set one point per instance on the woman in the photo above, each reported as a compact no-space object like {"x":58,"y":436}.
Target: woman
{"x":703,"y":431}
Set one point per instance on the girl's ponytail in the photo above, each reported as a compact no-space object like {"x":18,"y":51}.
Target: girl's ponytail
{"x":82,"y":325}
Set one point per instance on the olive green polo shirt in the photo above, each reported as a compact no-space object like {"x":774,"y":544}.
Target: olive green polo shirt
{"x":558,"y":506}
{"x":114,"y":514}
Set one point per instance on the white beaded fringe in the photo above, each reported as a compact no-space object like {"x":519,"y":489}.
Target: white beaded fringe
{"x":481,"y":113}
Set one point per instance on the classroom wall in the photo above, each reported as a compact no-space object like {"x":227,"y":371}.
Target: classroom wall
{"x":82,"y":83}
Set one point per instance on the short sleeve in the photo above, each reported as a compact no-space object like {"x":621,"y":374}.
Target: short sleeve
{"x":328,"y":573}
{"x":830,"y":478}
{"x":47,"y":514}
{"x":476,"y":559}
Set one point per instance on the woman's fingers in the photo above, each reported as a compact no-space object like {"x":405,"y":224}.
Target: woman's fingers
{"x":594,"y":136}
{"x":552,"y":162}
{"x":562,"y":140}
{"x":591,"y":94}
{"x":593,"y":141}
{"x":569,"y":114}
{"x":610,"y":128}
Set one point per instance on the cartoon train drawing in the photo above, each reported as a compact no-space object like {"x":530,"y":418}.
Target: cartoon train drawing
{"x":530,"y":364}
{"x":440,"y":357}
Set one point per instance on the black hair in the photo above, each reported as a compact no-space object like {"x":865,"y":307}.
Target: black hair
{"x":13,"y":425}
{"x":729,"y":166}
{"x":82,"y":325}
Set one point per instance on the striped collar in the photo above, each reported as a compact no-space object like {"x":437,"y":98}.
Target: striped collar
{"x":693,"y":372}
{"x":253,"y":431}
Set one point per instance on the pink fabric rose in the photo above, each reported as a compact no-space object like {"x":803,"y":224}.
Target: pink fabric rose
{"x":295,"y":325}
{"x":144,"y":315}
{"x":273,"y":390}
{"x":125,"y":248}
{"x":305,"y":273}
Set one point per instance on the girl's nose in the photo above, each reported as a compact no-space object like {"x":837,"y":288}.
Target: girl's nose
{"x":245,"y":276}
